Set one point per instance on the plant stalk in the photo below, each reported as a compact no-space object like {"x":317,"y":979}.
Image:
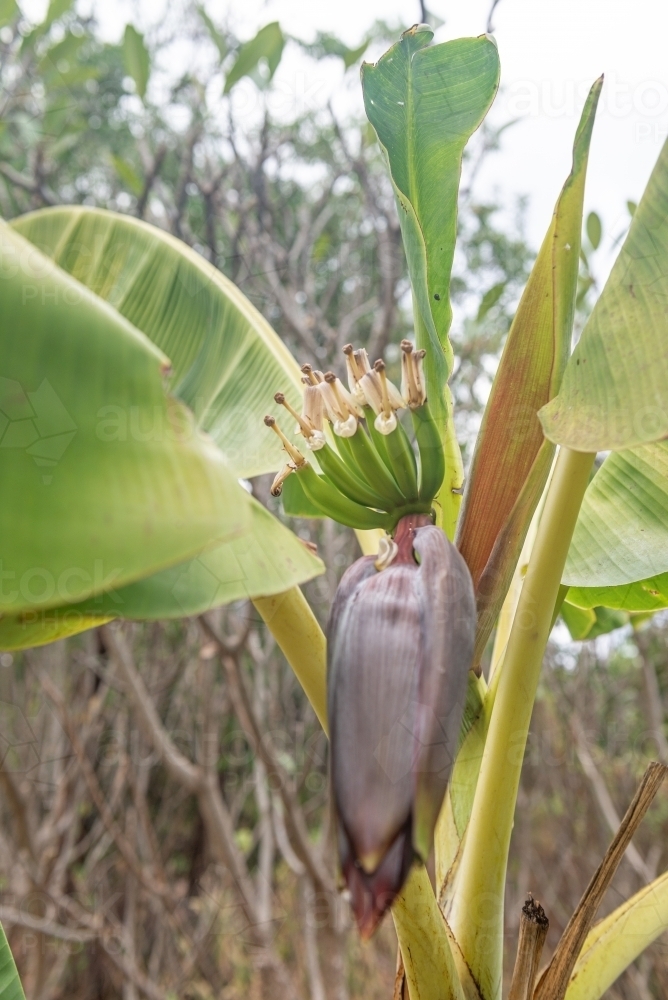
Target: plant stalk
{"x":296,"y":630}
{"x":450,"y":495}
{"x":478,"y":905}
{"x":429,"y":964}
{"x":534,"y":926}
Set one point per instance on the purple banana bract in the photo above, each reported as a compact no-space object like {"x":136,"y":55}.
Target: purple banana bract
{"x":400,"y":644}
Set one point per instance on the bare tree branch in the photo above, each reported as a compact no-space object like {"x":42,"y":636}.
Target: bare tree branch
{"x":490,"y":17}
{"x":603,"y":798}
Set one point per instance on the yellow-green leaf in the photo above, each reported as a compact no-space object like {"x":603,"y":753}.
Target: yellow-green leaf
{"x":424,"y":103}
{"x":617,"y":941}
{"x":615,"y":388}
{"x":38,"y":628}
{"x":10,"y":984}
{"x":267,"y":44}
{"x":128,"y":175}
{"x":137,"y":58}
{"x":226,"y":361}
{"x":620,"y":542}
{"x":429,"y":962}
{"x":267,"y":559}
{"x":217,"y":37}
{"x":9,"y":10}
{"x":56,"y":10}
{"x":594,"y":230}
{"x":640,"y":596}
{"x":105,"y":477}
{"x":588,"y":623}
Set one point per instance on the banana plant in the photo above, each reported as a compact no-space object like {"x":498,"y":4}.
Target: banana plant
{"x":138,"y":385}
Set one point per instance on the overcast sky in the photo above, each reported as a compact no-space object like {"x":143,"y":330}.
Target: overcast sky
{"x":551,"y":51}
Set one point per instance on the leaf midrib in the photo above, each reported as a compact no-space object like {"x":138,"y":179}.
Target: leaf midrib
{"x":410,"y":134}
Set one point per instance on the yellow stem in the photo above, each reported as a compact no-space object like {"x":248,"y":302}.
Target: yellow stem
{"x":429,"y":964}
{"x":369,"y":540}
{"x":478,"y":904}
{"x":448,"y":501}
{"x":296,"y":630}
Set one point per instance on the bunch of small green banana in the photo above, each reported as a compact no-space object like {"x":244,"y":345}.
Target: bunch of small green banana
{"x":370,"y":477}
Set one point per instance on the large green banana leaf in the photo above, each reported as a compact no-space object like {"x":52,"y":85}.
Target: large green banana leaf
{"x":646,"y":595}
{"x":424,"y":103}
{"x":10,"y":984}
{"x":226,"y":361}
{"x":512,"y":461}
{"x":265,"y":560}
{"x":619,"y":553}
{"x":588,"y":623}
{"x":45,"y":625}
{"x":615,"y":389}
{"x":104,"y":477}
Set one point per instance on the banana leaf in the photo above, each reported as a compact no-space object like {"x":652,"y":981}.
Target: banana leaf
{"x":615,"y":389}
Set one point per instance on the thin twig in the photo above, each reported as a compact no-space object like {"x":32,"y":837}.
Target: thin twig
{"x":653,"y":692}
{"x":603,"y":798}
{"x":27,"y":184}
{"x":313,"y":968}
{"x":294,"y":817}
{"x":12,"y":917}
{"x":399,"y":992}
{"x":195,"y":779}
{"x":490,"y":17}
{"x":18,"y":807}
{"x":554,"y":981}
{"x":181,"y":769}
{"x":124,"y":846}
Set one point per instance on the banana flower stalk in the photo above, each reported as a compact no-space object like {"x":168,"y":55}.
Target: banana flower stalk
{"x":402,"y":627}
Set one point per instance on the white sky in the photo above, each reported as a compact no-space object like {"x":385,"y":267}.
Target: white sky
{"x":551,"y":51}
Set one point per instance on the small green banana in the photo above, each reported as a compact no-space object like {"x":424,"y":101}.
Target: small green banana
{"x":335,"y":505}
{"x":430,"y":448}
{"x":349,"y":481}
{"x":366,"y":460}
{"x":402,"y":456}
